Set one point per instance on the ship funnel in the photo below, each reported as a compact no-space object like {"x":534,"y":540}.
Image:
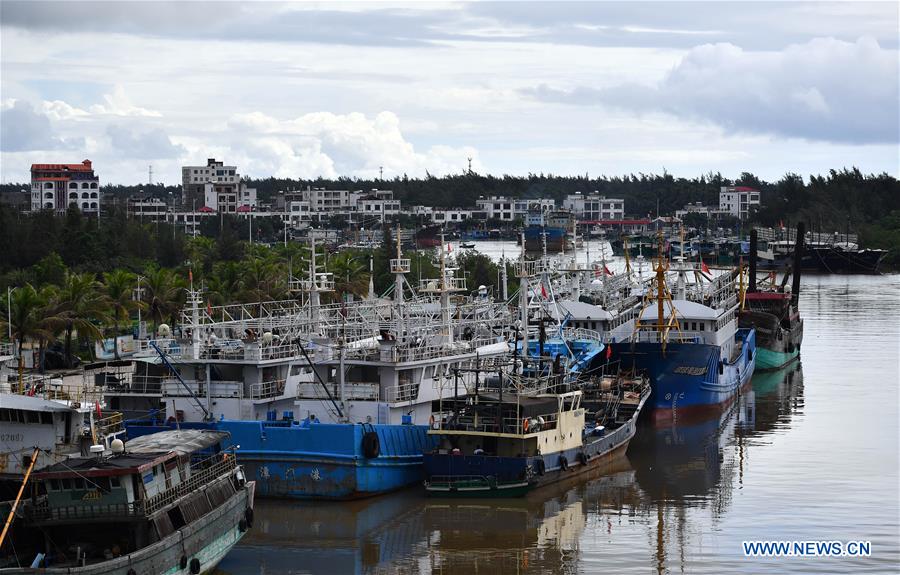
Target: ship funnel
{"x":754,"y":246}
{"x":798,"y":257}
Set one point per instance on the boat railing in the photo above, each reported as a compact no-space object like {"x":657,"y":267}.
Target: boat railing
{"x":52,"y":388}
{"x":42,"y":512}
{"x":353,"y":390}
{"x":570,"y":333}
{"x":134,"y":384}
{"x":266,"y":389}
{"x":218,"y":388}
{"x":531,"y":268}
{"x":111,"y":424}
{"x":477,"y":423}
{"x":403,"y":392}
{"x":200,"y":475}
{"x":7,"y":348}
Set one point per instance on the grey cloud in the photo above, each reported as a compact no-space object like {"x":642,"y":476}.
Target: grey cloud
{"x":824,"y":90}
{"x":149,"y":145}
{"x":22,"y":129}
{"x":614,"y":24}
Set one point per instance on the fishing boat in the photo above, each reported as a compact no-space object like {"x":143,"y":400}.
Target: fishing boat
{"x":773,"y":312}
{"x":173,"y":502}
{"x":524,"y":429}
{"x":467,"y":245}
{"x":689,"y":344}
{"x":548,"y":230}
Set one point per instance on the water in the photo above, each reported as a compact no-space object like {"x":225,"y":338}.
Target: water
{"x":809,"y":453}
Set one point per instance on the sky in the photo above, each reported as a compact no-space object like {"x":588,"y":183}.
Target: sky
{"x":348,"y":89}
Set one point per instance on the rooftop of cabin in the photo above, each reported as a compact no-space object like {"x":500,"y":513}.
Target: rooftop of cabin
{"x":141,"y":454}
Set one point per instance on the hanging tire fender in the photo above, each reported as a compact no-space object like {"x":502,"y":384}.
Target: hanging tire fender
{"x":371,"y":446}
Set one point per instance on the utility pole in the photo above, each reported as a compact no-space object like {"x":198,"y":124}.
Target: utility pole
{"x":381,"y":172}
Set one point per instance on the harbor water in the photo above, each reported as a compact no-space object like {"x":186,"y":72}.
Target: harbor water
{"x":807,"y":453}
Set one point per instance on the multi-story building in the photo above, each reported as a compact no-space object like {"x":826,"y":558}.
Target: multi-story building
{"x":379,"y":204}
{"x":594,"y":207}
{"x":194,"y":180}
{"x":508,"y":209}
{"x":711,"y":212}
{"x":58,"y":186}
{"x":450,"y":216}
{"x":322,"y":200}
{"x":147,"y":209}
{"x":229,"y":198}
{"x":739,"y":201}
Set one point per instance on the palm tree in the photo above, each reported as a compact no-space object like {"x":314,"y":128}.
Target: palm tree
{"x":25,"y":317}
{"x":118,"y":285}
{"x":165,"y":294}
{"x":263,"y":280}
{"x":225,"y":284}
{"x":81,"y":306}
{"x":350,"y":273}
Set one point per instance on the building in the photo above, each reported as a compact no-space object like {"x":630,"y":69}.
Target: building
{"x":58,"y":186}
{"x":322,"y":200}
{"x":147,"y":209}
{"x":739,"y":201}
{"x":229,"y":198}
{"x":622,"y":226}
{"x":379,"y":204}
{"x":593,"y":207}
{"x":507,"y":209}
{"x":711,"y":212}
{"x":450,"y":215}
{"x":194,"y":180}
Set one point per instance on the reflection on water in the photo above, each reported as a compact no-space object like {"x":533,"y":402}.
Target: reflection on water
{"x":780,"y":463}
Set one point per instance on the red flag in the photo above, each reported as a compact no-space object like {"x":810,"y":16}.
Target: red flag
{"x":208,"y":308}
{"x":606,"y":271}
{"x":703,"y":267}
{"x":543,"y":291}
{"x":449,"y":248}
{"x":608,"y":351}
{"x":99,"y":412}
{"x":191,"y":275}
{"x":31,"y":391}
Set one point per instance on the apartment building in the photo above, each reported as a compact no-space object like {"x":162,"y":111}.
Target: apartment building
{"x":594,"y":207}
{"x":58,"y":186}
{"x":739,"y":201}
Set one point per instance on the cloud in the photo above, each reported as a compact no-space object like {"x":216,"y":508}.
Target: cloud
{"x":118,"y":104}
{"x":826,"y":89}
{"x":149,"y":145}
{"x":331,"y":145}
{"x":23,"y":129}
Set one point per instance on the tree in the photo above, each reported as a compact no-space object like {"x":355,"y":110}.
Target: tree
{"x":117,"y":287}
{"x":351,"y":274}
{"x":81,"y":305}
{"x":26,"y":306}
{"x":165,"y":294}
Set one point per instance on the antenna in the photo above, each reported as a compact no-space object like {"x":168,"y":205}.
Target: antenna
{"x":150,"y":175}
{"x":470,"y":164}
{"x":380,"y":172}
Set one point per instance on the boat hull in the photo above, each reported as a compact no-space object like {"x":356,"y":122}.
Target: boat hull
{"x":207,"y":540}
{"x":505,"y":477}
{"x":328,"y":461}
{"x":688,"y":379}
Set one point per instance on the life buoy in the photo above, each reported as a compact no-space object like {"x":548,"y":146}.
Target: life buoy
{"x":431,"y":422}
{"x":721,"y":368}
{"x":195,"y":566}
{"x":525,"y":424}
{"x":242,"y":525}
{"x":182,"y":563}
{"x":248,"y":515}
{"x":563,"y":462}
{"x":539,"y":466}
{"x":582,"y":458}
{"x":131,"y":572}
{"x":371,"y":445}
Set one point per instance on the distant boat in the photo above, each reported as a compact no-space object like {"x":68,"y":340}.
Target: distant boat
{"x":550,"y":229}
{"x":467,"y":245}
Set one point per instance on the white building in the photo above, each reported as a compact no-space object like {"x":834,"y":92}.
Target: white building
{"x":147,"y":209}
{"x":229,"y":198}
{"x":712,"y":212}
{"x":508,"y":209}
{"x":58,"y":186}
{"x":373,"y":206}
{"x":450,"y":215}
{"x":593,"y":207}
{"x":738,"y":200}
{"x":194,"y":180}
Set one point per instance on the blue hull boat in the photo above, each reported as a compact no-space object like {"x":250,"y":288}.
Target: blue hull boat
{"x":688,"y":378}
{"x":304,"y":460}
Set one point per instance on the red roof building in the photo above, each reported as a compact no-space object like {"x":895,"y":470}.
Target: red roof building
{"x":58,"y":186}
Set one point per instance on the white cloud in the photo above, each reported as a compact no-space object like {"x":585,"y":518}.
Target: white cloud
{"x":118,"y":104}
{"x":330,"y":145}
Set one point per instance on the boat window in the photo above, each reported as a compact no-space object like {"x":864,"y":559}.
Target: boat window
{"x":65,"y":484}
{"x":429,"y":372}
{"x":296,"y":369}
{"x":77,"y":483}
{"x":4,"y":415}
{"x":702,"y":326}
{"x":47,"y":417}
{"x":114,"y":481}
{"x":53,"y":485}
